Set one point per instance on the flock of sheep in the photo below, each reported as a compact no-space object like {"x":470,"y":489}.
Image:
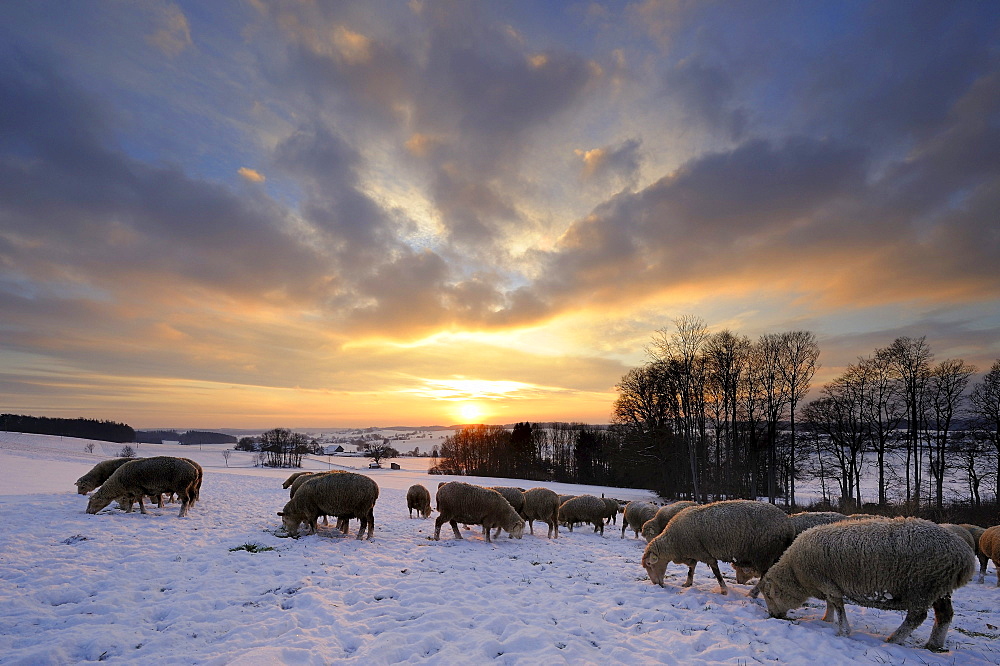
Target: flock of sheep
{"x":904,"y":564}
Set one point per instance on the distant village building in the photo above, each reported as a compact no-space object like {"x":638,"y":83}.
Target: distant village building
{"x":330,"y":450}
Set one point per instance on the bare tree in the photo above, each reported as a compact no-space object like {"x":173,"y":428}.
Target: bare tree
{"x":985,"y":402}
{"x":883,"y":409}
{"x":948,"y":381}
{"x":911,"y":360}
{"x":776,"y":398}
{"x":225,"y":455}
{"x":798,"y":361}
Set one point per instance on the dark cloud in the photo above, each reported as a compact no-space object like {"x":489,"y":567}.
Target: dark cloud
{"x":619,"y":163}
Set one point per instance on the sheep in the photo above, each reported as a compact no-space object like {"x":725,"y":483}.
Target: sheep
{"x":989,"y":544}
{"x":542,"y":504}
{"x":99,"y":474}
{"x":513,"y":495}
{"x":565,"y":498}
{"x":475,"y":505}
{"x":652,"y":527}
{"x":195,"y":495}
{"x":289,"y":480}
{"x":419,"y":498}
{"x":636,"y":515}
{"x":148,"y":476}
{"x":301,"y":478}
{"x":962,"y":533}
{"x":800,"y":523}
{"x":976,"y":531}
{"x":900,"y":564}
{"x":584,"y":509}
{"x":613,"y":509}
{"x":342,"y":494}
{"x":746,"y":532}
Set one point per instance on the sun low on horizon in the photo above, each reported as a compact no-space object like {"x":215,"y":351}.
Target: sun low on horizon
{"x":233,"y":214}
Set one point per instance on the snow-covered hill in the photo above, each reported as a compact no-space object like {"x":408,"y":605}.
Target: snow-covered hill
{"x":133,"y":588}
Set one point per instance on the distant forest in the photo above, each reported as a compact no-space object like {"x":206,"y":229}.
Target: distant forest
{"x":189,"y":437}
{"x":107,"y":431}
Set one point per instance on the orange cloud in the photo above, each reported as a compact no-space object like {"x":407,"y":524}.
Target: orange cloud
{"x":252,"y":175}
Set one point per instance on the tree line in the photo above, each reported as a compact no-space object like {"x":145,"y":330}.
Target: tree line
{"x":721,"y":415}
{"x":107,"y":431}
{"x":279,"y":447}
{"x":188,"y":438}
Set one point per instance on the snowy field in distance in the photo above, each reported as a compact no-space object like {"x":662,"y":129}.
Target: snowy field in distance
{"x":132,"y":588}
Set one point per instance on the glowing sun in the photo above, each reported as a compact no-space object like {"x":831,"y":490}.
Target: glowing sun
{"x":470,"y":412}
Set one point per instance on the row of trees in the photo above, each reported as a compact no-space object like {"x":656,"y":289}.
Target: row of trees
{"x":107,"y":431}
{"x":280,"y":447}
{"x":188,"y":438}
{"x":720,"y":415}
{"x":715,"y":412}
{"x":918,"y":419}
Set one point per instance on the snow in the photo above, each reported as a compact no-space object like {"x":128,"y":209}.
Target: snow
{"x":133,"y":588}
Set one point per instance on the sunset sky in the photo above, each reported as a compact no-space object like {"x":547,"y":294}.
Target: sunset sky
{"x":306,"y":213}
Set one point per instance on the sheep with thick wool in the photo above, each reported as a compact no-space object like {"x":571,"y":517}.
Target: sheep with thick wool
{"x":342,"y":494}
{"x":636,"y":515}
{"x":962,"y":533}
{"x":418,"y":499}
{"x":652,"y":527}
{"x":148,"y":476}
{"x":904,"y":564}
{"x":542,"y":504}
{"x":747,"y":532}
{"x":583,"y":509}
{"x":475,"y":505}
{"x":99,"y":474}
{"x":514,"y":496}
{"x":989,"y":544}
{"x":976,"y":531}
{"x":800,"y":523}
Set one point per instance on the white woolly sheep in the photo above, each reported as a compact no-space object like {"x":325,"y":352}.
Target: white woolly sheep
{"x":475,"y":505}
{"x":976,"y":531}
{"x":747,"y":532}
{"x":290,"y":479}
{"x":989,"y":544}
{"x":542,"y":504}
{"x":901,"y":564}
{"x":513,"y":495}
{"x":584,"y":509}
{"x":800,"y":523}
{"x":99,"y":474}
{"x":148,"y":476}
{"x":418,"y":499}
{"x":342,"y":494}
{"x":962,"y":533}
{"x":636,"y":515}
{"x":652,"y":527}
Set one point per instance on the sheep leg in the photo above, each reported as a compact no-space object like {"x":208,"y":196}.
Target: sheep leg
{"x":624,"y":527}
{"x":718,"y":576}
{"x":843,"y":626}
{"x":142,"y":506}
{"x":690,"y":579}
{"x":554,"y":532}
{"x":828,"y":616}
{"x":486,"y":532}
{"x":531,"y":527}
{"x":913,"y":620}
{"x":437,"y":528}
{"x":943,"y":614}
{"x":454,"y":528}
{"x":185,"y":505}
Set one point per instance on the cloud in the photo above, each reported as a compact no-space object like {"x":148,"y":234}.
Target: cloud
{"x":619,"y":162}
{"x":251,"y":175}
{"x":172,"y":34}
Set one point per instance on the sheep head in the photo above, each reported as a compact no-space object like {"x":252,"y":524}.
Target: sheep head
{"x":517,"y":529}
{"x":96,"y":503}
{"x":777,"y":598}
{"x":655,"y":564}
{"x":649,"y":532}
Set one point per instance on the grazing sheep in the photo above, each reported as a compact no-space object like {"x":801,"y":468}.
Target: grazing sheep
{"x":148,"y":476}
{"x":989,"y":544}
{"x":418,"y":498}
{"x":475,"y":505}
{"x":584,"y":509}
{"x":99,"y":474}
{"x":565,"y":498}
{"x":513,"y":495}
{"x":292,"y":478}
{"x":613,"y":509}
{"x":800,"y":523}
{"x":542,"y":504}
{"x":976,"y":531}
{"x":901,"y":564}
{"x":636,"y":515}
{"x":652,"y":527}
{"x":302,"y":477}
{"x":342,"y":494}
{"x":747,"y":532}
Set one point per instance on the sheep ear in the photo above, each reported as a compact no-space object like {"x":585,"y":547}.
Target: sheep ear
{"x":653,"y":557}
{"x":281,"y":513}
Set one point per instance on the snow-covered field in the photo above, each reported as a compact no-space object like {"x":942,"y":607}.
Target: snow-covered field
{"x":133,"y":588}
